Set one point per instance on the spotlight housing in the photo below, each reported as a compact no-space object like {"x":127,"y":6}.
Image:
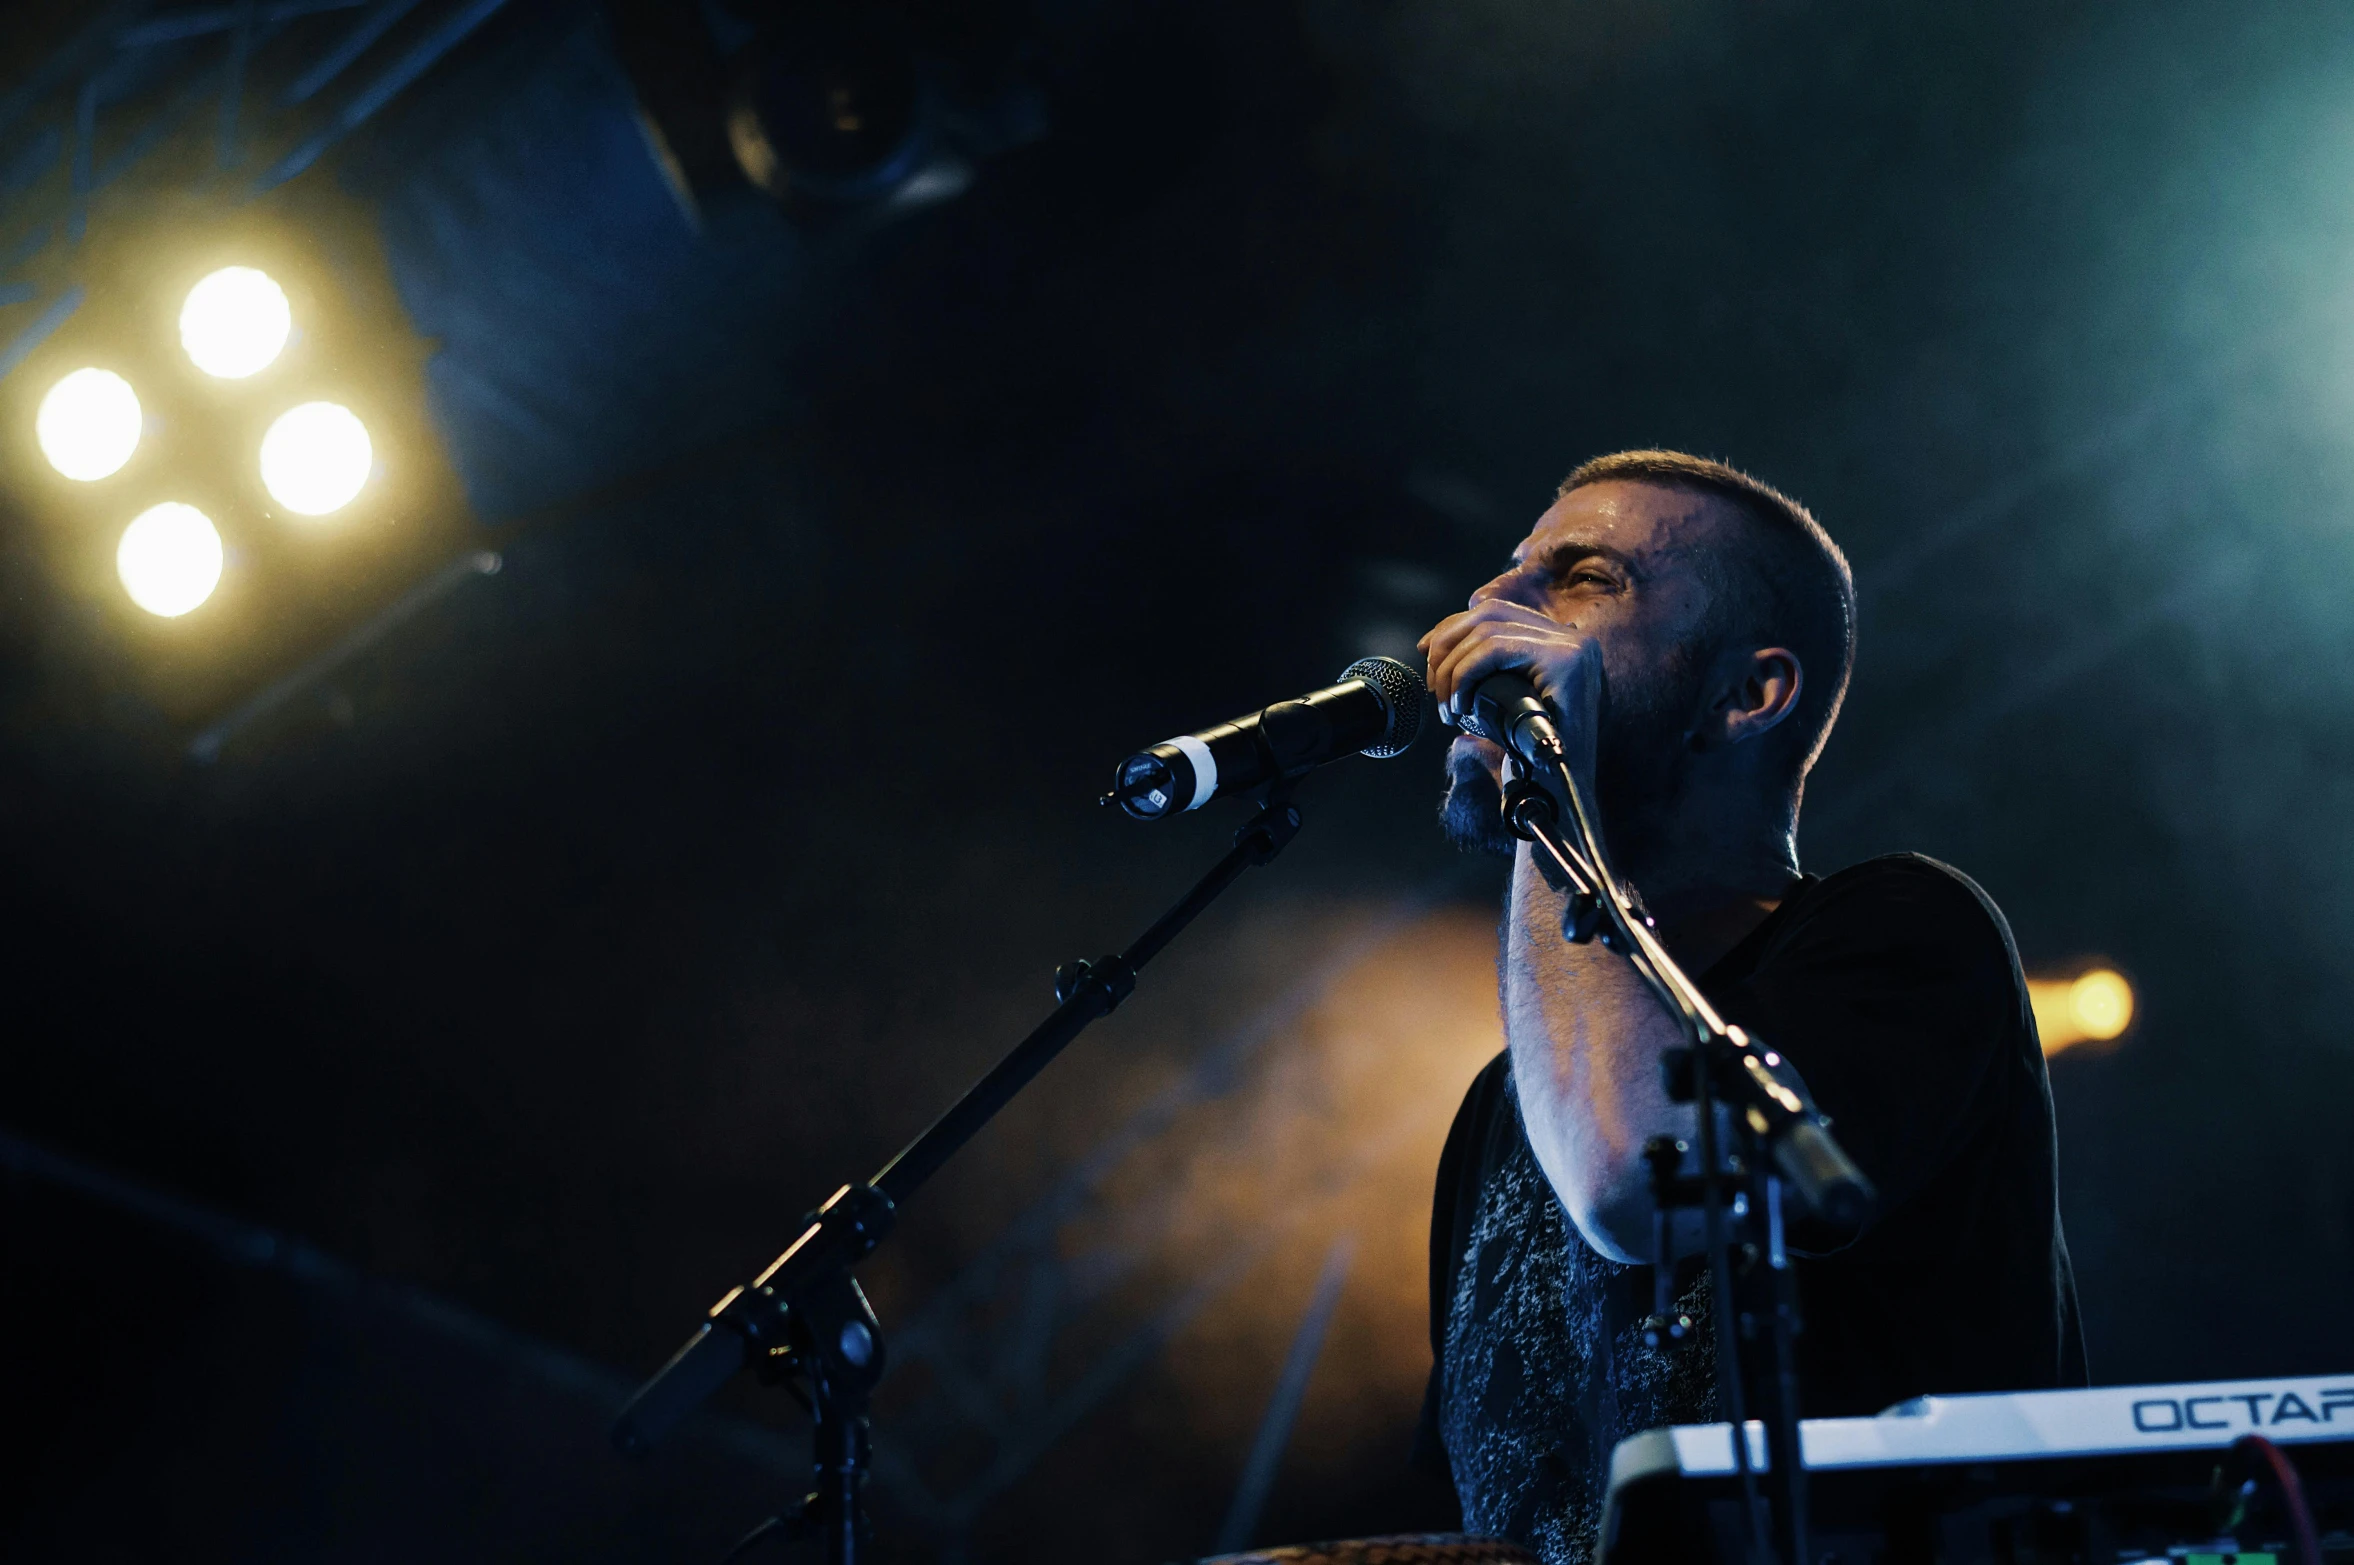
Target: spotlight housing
{"x":89,"y":424}
{"x":826,"y":104}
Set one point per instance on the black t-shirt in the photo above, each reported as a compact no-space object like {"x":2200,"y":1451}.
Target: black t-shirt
{"x":1895,"y":989}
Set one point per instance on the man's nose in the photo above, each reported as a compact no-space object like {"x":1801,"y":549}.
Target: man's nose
{"x":1514,"y":586}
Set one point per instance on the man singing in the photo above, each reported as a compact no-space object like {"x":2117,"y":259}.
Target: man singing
{"x":1694,"y":629}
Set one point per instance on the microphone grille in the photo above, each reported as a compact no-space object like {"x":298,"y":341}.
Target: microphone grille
{"x":1400,"y":689}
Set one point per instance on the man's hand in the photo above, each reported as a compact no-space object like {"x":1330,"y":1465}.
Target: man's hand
{"x":1563,"y":662}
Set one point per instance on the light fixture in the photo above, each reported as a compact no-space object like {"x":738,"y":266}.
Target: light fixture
{"x":169,"y":559}
{"x":316,"y":457}
{"x":236,"y":321}
{"x":827,"y":105}
{"x":88,"y":425}
{"x":2093,"y":1006}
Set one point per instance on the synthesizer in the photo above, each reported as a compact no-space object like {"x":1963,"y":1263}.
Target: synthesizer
{"x":2096,"y":1477}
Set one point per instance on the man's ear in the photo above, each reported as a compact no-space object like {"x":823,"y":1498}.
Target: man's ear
{"x":1755,"y":692}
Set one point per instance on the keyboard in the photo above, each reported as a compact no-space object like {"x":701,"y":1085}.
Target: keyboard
{"x":2099,"y":1476}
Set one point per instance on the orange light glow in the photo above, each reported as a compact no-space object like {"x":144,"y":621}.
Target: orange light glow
{"x":2093,"y":1006}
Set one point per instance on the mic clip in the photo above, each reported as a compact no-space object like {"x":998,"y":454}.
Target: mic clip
{"x":1506,"y":709}
{"x":1526,"y":808}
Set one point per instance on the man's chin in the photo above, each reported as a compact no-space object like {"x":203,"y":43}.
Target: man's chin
{"x":1472,"y":813}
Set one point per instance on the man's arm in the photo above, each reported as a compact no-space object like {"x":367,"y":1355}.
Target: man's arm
{"x":1586,"y":1036}
{"x":1585,"y":1032}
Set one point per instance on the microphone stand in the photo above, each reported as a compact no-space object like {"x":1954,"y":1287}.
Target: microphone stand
{"x":1784,"y":1148}
{"x":805,"y":1317}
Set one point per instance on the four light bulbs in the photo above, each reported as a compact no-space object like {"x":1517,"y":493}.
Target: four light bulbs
{"x":314,"y":460}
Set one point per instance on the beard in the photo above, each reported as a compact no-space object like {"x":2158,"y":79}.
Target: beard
{"x":1471,"y":812}
{"x":1640,"y":758}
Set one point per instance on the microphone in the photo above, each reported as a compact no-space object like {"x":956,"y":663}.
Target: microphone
{"x":1375,"y":709}
{"x":1504,"y":709}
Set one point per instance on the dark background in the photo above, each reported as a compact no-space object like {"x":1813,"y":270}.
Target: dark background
{"x":540,"y":962}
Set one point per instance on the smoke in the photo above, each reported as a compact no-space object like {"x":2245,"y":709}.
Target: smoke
{"x":1141,"y":1311}
{"x":1338,"y":1137}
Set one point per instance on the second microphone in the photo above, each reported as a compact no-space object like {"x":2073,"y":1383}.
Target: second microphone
{"x":1375,"y":709}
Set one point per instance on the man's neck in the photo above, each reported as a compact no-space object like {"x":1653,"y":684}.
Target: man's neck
{"x":1715,"y":881}
{"x":1700,"y":935}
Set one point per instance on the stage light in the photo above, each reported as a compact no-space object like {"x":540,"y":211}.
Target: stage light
{"x":316,"y":457}
{"x":235,"y":322}
{"x":2103,"y":1003}
{"x":2094,"y":1006}
{"x":169,"y":559}
{"x":88,"y":425}
{"x":828,"y":105}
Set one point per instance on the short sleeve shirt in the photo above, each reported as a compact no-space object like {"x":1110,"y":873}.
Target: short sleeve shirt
{"x":1895,"y":989}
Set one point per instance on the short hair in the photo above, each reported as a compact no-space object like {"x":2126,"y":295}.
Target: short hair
{"x":1793,"y":588}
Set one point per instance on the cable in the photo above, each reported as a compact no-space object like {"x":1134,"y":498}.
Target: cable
{"x":791,"y":1527}
{"x":2292,"y":1492}
{"x":752,"y":1539}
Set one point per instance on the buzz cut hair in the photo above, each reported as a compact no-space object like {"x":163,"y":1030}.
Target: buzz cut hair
{"x":1789,"y":585}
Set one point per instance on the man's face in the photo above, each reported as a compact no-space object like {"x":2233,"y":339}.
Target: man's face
{"x":1619,"y":560}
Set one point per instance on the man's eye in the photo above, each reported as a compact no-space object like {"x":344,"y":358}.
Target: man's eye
{"x":1596,"y":577}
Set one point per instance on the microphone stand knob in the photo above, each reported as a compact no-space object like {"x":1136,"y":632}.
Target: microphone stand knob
{"x":1581,"y":917}
{"x":1110,"y":974}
